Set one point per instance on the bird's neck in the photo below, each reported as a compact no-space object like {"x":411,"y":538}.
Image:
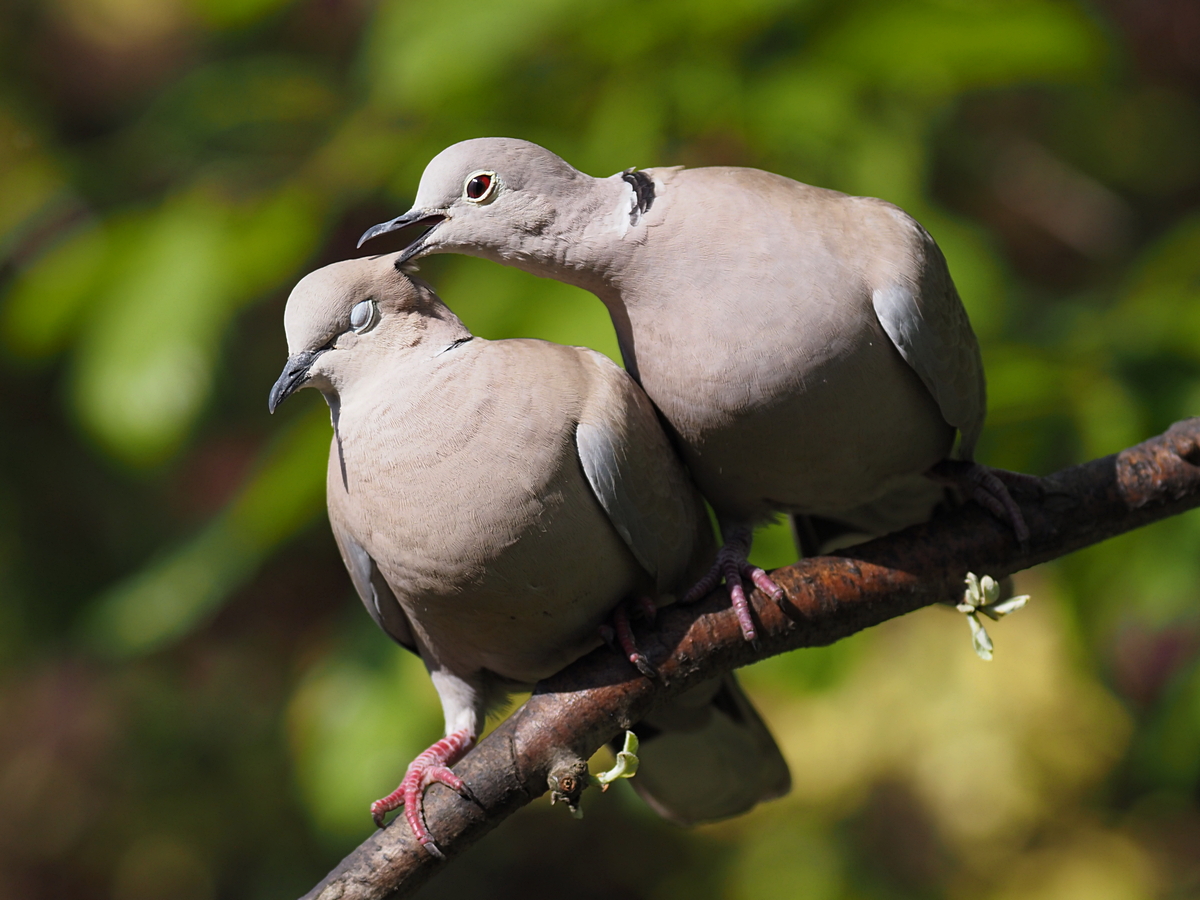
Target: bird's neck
{"x":579,"y":240}
{"x":443,"y":329}
{"x":587,"y":240}
{"x":409,"y":352}
{"x":423,"y":333}
{"x":612,"y":229}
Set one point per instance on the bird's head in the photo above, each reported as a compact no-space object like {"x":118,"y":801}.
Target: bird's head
{"x":489,"y":197}
{"x":341,"y":318}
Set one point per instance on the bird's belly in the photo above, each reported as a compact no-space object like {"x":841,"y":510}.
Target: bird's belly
{"x":853,"y":428}
{"x":522,"y":605}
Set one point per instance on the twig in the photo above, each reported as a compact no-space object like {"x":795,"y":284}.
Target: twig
{"x":570,"y":716}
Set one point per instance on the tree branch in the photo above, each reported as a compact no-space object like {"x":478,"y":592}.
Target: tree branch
{"x":574,"y":713}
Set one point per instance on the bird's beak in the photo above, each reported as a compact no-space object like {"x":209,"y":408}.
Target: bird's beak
{"x":295,"y":373}
{"x":429,"y":217}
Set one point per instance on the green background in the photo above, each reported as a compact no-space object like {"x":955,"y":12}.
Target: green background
{"x":193,"y":704}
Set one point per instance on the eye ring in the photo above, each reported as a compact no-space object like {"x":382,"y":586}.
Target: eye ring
{"x":364,"y":316}
{"x":479,"y":186}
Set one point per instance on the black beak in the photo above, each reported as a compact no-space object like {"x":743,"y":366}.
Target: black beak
{"x":295,"y":373}
{"x":431,"y":218}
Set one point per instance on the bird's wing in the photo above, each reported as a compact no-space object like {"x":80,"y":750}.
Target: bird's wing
{"x":637,"y":477}
{"x":376,"y":596}
{"x":921,"y":312}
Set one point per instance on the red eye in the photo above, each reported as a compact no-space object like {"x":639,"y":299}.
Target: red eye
{"x":478,"y":186}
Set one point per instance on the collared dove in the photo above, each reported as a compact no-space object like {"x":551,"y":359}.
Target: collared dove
{"x":807,"y":348}
{"x":494,"y":502}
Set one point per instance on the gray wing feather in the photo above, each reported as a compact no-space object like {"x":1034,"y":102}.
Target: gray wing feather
{"x":376,"y":596}
{"x":638,"y":479}
{"x":603,"y":456}
{"x":926,"y":321}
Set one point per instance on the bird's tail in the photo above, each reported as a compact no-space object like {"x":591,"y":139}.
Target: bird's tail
{"x":708,"y":755}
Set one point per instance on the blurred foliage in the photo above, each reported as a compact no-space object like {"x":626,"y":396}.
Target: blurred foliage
{"x":194,"y":705}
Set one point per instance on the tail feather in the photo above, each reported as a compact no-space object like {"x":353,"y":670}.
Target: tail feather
{"x":708,"y":755}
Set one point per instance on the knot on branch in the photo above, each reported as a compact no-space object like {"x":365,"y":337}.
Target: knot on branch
{"x":567,"y":779}
{"x":1186,"y":440}
{"x":1164,"y":469}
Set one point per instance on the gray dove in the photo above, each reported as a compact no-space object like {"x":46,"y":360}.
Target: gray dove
{"x":807,"y":349}
{"x":494,"y":503}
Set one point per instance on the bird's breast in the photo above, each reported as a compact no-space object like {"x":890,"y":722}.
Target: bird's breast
{"x":481,"y":521}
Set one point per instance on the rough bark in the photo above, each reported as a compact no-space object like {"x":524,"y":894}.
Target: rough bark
{"x":572,"y":714}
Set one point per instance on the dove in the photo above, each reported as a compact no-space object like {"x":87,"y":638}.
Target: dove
{"x":494,"y":503}
{"x":807,"y":349}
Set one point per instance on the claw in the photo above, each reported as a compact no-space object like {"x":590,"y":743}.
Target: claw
{"x":628,"y":644}
{"x":990,"y":489}
{"x":1021,"y":481}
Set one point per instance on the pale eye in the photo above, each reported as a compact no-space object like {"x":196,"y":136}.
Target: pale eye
{"x":364,"y":316}
{"x":479,"y":186}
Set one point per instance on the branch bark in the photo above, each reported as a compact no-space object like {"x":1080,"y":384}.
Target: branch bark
{"x":570,"y":716}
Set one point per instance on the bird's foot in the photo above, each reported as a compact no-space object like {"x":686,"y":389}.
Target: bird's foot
{"x":734,"y":568}
{"x":990,"y":488}
{"x":619,"y":635}
{"x":431,"y":766}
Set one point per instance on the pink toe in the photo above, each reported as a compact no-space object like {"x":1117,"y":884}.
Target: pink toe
{"x":430,"y":767}
{"x":625,"y":640}
{"x":705,"y":585}
{"x":442,"y":775}
{"x":737,"y":596}
{"x":730,"y":566}
{"x":765,"y":583}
